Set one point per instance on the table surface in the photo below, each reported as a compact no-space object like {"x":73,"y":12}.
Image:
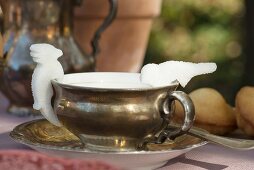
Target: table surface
{"x":206,"y":157}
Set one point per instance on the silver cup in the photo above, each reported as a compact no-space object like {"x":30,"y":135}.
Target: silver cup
{"x":115,"y":112}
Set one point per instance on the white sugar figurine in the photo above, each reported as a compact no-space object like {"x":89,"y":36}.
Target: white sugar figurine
{"x":47,"y":69}
{"x":165,"y":73}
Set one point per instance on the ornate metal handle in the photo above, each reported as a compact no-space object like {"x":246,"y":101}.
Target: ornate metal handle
{"x":189,"y":112}
{"x":108,"y":20}
{"x":172,"y":133}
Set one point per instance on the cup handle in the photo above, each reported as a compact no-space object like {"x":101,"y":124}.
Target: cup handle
{"x":189,"y":112}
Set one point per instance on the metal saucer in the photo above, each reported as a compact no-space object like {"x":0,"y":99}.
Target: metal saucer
{"x":47,"y":138}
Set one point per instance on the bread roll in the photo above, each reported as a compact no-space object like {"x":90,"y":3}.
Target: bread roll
{"x":212,"y":111}
{"x":245,"y":110}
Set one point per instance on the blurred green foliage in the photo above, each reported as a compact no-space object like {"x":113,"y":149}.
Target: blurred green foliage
{"x":202,"y":31}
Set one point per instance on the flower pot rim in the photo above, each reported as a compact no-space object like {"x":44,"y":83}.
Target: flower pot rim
{"x":126,"y":9}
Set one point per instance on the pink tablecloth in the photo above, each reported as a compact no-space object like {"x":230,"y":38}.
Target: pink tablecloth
{"x":206,"y":157}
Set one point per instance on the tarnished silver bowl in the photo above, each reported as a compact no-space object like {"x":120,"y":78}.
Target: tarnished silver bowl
{"x":114,"y":111}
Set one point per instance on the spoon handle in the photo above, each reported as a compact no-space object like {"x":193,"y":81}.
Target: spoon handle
{"x":240,"y":144}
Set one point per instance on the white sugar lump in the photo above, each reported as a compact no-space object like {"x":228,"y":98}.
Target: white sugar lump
{"x":47,"y":69}
{"x":165,"y":73}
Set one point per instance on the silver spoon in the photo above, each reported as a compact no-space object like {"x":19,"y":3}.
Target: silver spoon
{"x":240,"y":144}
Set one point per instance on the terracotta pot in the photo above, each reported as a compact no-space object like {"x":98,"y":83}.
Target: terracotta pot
{"x":124,"y":43}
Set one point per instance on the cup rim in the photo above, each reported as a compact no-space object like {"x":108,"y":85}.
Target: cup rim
{"x":71,"y":86}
